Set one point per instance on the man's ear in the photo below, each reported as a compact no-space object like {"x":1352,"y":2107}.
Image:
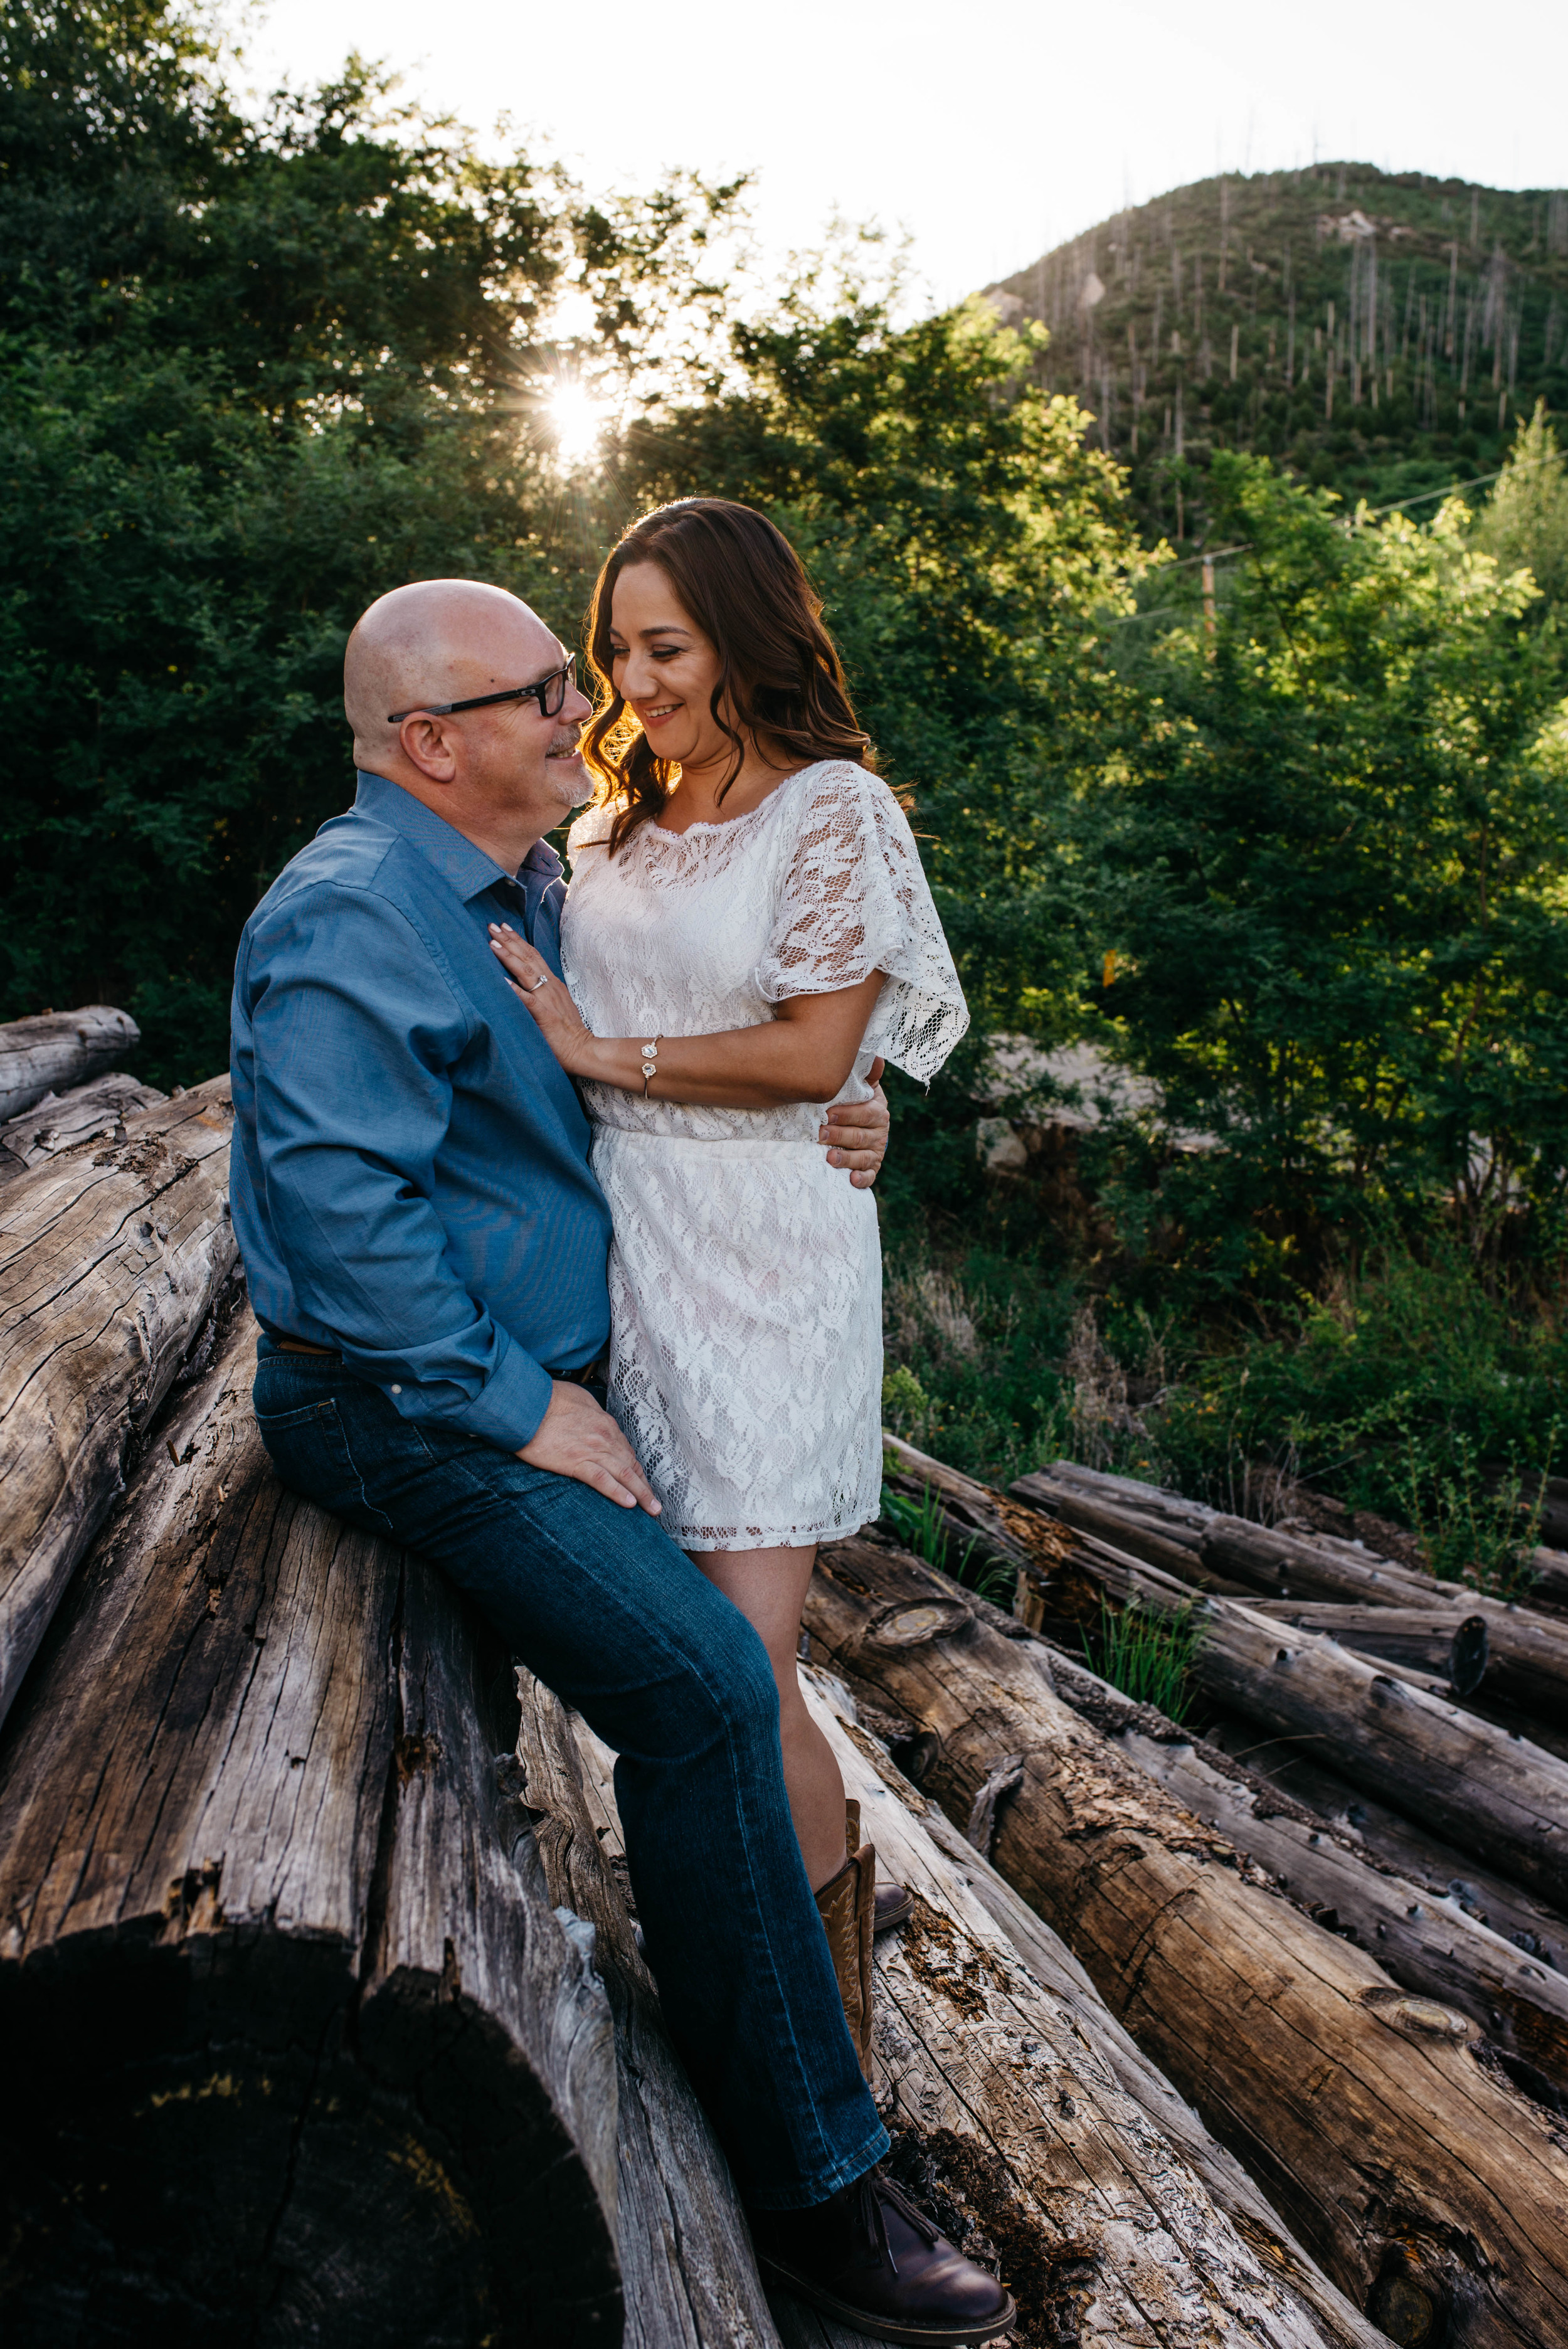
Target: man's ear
{"x":430,"y":745}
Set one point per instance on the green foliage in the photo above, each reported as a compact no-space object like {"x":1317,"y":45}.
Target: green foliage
{"x":1147,"y":1653}
{"x":1379,"y":332}
{"x":1409,"y":1390}
{"x":1470,"y":1528}
{"x":1523,"y":524}
{"x":981,"y":1339}
{"x":967,"y":543}
{"x":252,"y":375}
{"x":1335,"y":856}
{"x":918,"y":1526}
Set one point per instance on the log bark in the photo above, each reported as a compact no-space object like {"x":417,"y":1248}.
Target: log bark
{"x":1529,"y":1650}
{"x":59,"y":1049}
{"x":1411,"y":2171}
{"x":1021,"y":2109}
{"x":1399,"y":1845}
{"x":299,"y":2049}
{"x":94,"y":1113}
{"x":1427,"y":1940}
{"x":1392,"y":1730}
{"x":111,"y":1259}
{"x":687,"y":2264}
{"x":1427,"y":1640}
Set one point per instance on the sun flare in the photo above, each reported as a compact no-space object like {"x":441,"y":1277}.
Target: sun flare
{"x":577,"y":420}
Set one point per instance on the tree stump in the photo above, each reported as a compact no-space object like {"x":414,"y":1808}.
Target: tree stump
{"x":300,"y":2049}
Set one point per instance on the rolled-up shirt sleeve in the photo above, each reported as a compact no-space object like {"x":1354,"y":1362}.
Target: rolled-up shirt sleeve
{"x":355,"y":1028}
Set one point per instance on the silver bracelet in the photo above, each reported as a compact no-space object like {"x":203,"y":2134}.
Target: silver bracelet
{"x":650,"y":1063}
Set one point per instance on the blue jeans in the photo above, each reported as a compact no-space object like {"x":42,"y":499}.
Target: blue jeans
{"x":603,"y":1607}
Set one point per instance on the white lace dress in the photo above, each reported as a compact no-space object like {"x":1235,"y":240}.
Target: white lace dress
{"x":745,"y":1274}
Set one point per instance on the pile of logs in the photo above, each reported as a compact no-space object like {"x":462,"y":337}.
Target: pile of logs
{"x":324,"y":2009}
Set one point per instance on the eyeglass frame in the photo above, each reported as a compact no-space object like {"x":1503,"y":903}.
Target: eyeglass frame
{"x":566,"y":673}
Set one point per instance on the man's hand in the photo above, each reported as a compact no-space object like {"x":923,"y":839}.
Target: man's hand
{"x":857,"y":1133}
{"x":576,"y":1438}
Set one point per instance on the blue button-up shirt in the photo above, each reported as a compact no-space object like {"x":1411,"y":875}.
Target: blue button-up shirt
{"x":410,"y":1179}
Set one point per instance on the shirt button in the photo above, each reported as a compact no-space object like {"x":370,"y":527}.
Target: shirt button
{"x":397,"y":1390}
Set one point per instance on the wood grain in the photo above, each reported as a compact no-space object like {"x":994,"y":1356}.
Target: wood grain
{"x":59,"y":1049}
{"x":1131,"y":2151}
{"x":111,"y":1259}
{"x":1204,"y":1547}
{"x":1377,"y":2147}
{"x":690,"y":2279}
{"x":61,"y":1122}
{"x":1390,"y":1728}
{"x":291,"y":2014}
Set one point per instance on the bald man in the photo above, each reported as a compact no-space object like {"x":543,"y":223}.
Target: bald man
{"x":425,"y":1248}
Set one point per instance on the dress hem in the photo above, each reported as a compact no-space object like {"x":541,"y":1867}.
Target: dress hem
{"x":732,"y":1537}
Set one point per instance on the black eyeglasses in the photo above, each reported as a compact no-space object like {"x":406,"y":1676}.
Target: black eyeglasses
{"x":550,"y":694}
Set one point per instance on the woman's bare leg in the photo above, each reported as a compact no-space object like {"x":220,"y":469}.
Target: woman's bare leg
{"x":769,"y":1588}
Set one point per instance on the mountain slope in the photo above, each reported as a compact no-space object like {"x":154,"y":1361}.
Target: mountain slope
{"x":1380,"y":333}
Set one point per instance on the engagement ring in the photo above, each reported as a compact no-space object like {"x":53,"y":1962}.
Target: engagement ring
{"x":539,"y":983}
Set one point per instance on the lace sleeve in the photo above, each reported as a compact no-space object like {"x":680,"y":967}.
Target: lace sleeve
{"x":853,"y":899}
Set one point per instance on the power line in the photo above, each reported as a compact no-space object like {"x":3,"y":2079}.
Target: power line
{"x":1343,"y":522}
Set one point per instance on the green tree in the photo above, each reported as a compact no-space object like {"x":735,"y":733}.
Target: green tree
{"x":251,"y":375}
{"x":1337,"y":859}
{"x":967,"y":543}
{"x":1523,"y":524}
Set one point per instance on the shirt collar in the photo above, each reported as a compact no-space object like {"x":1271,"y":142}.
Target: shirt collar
{"x":466,"y":869}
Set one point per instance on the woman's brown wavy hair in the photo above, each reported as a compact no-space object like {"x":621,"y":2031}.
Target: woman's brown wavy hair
{"x":779,"y":677}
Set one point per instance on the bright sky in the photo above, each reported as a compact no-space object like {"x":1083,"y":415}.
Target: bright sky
{"x":988,"y":131}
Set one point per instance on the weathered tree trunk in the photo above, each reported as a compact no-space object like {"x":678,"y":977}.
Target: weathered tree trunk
{"x":298,"y":2049}
{"x":686,"y":2263}
{"x":1424,"y":1639}
{"x":1401,"y":1847}
{"x":1529,"y":1650}
{"x":110,"y":1259}
{"x":1429,"y":1943}
{"x":1415,"y":2175}
{"x":58,"y":1049}
{"x":1493,"y":1794}
{"x":1020,"y":2108}
{"x":94,"y":1113}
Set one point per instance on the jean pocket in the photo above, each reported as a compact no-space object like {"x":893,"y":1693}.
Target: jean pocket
{"x":309,"y":1448}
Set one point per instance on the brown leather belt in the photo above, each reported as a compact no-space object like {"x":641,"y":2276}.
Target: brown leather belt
{"x":589,"y":1375}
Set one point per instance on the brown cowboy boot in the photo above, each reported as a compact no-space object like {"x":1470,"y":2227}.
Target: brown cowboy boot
{"x":895,"y":1903}
{"x":847,"y":1906}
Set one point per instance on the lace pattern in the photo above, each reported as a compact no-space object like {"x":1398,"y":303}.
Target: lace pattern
{"x":745,"y":1278}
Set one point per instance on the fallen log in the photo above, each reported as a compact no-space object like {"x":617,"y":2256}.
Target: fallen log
{"x":59,"y":1049}
{"x":1427,"y":1940}
{"x":111,"y":1259}
{"x":297,"y":2047}
{"x":687,"y":2264}
{"x":1006,"y":2090}
{"x":1389,"y":1728}
{"x":1413,"y":2174}
{"x":1424,"y":1638}
{"x":1400,"y":1846}
{"x":1529,"y":1650}
{"x":58,"y":1122}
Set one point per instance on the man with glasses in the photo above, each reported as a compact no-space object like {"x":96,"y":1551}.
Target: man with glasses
{"x":425,"y":1248}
